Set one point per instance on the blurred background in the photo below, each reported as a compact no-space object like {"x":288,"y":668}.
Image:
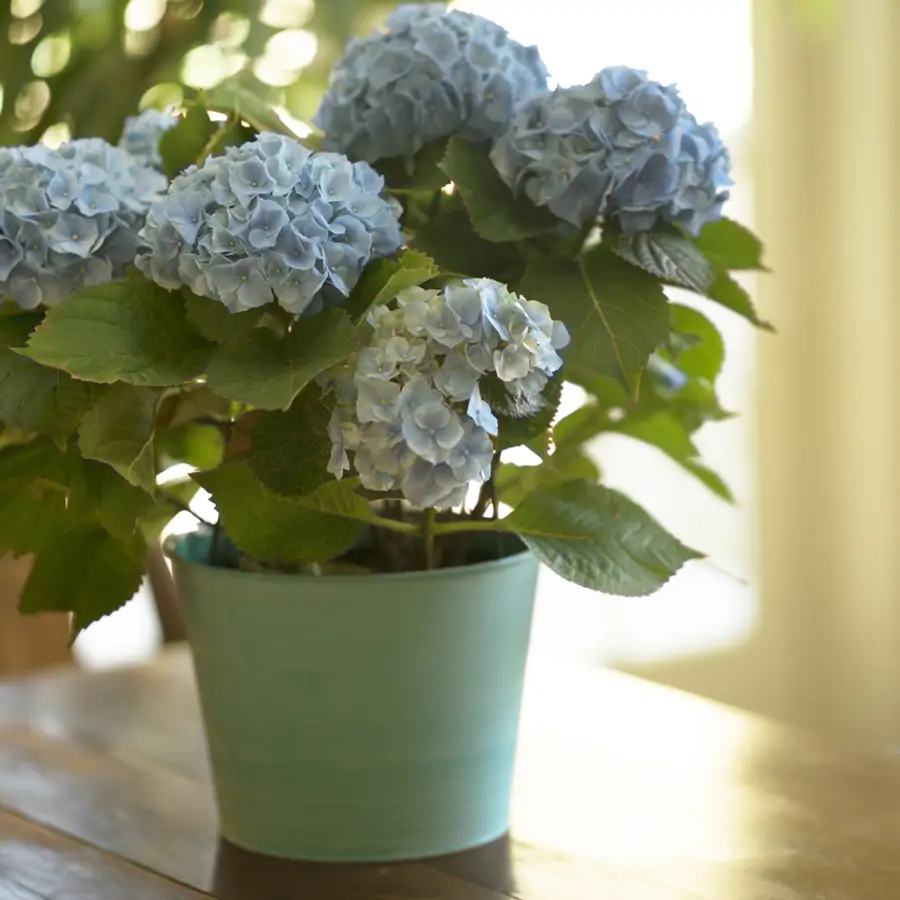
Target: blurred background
{"x":796,"y":611}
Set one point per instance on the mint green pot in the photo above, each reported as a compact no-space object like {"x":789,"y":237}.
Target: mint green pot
{"x":360,"y":718}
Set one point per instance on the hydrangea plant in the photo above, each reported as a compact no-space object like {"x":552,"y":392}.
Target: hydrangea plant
{"x":357,"y":343}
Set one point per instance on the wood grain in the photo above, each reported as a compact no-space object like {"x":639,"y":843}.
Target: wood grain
{"x":37,"y":864}
{"x":624,"y":790}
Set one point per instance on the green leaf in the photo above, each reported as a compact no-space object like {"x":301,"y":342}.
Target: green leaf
{"x":706,"y":353}
{"x":230,"y":134}
{"x":290,"y":450}
{"x":694,"y":405}
{"x":39,"y":460}
{"x":201,"y":446}
{"x":267,"y":525}
{"x":31,"y":515}
{"x":190,"y":404}
{"x":706,"y":476}
{"x":33,"y":397}
{"x":383,"y":279}
{"x":182,"y":491}
{"x":183,"y":145}
{"x":515,"y":483}
{"x":120,"y":506}
{"x":215,"y":322}
{"x":598,"y":538}
{"x":608,"y":392}
{"x":232,"y":97}
{"x":34,"y":484}
{"x":88,"y":573}
{"x":690,"y":407}
{"x":453,"y":244}
{"x":170,"y":501}
{"x":670,"y":257}
{"x":664,"y":431}
{"x":268,"y":371}
{"x":339,"y":498}
{"x":728,"y":293}
{"x":132,"y":331}
{"x":616,"y":314}
{"x":119,"y":430}
{"x":45,"y":492}
{"x":496,"y":213}
{"x":516,"y":425}
{"x":422,"y":173}
{"x":580,"y":426}
{"x":730,"y":245}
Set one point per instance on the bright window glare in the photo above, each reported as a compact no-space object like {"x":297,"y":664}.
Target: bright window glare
{"x":703,"y":46}
{"x":286,"y":13}
{"x":142,"y":15}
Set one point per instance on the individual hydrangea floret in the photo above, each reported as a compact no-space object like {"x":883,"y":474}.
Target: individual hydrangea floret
{"x":411,"y":410}
{"x":270,"y":217}
{"x":621,"y":147}
{"x":427,"y":74}
{"x":141,"y":135}
{"x":69,"y":217}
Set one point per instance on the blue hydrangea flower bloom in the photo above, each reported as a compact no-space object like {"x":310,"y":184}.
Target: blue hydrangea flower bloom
{"x":411,"y":411}
{"x":69,"y":217}
{"x":427,"y":74}
{"x":270,"y":218}
{"x":141,"y":135}
{"x":687,"y":189}
{"x":621,"y":147}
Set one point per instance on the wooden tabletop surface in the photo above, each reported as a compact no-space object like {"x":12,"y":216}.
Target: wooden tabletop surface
{"x":625,"y":791}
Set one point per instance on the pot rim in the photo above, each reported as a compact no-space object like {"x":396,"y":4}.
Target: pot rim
{"x":170,"y":548}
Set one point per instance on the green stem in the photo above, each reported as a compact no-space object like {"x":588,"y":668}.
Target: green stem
{"x":215,"y":544}
{"x":435,"y":209}
{"x":213,"y":143}
{"x":637,"y":385}
{"x":492,"y":482}
{"x":481,"y":504}
{"x":428,"y":526}
{"x":178,"y":503}
{"x":286,"y":319}
{"x":468,"y":525}
{"x":394,"y":525}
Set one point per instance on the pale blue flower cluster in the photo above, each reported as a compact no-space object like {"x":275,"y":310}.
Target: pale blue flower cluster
{"x":621,"y":147}
{"x":270,"y":217}
{"x":141,"y":135}
{"x":69,"y":217}
{"x":427,"y":74}
{"x":411,"y":410}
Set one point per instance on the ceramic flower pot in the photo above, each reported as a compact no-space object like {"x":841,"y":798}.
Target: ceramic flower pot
{"x":360,"y":718}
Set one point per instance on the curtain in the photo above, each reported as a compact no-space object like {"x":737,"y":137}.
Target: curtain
{"x":827,"y":146}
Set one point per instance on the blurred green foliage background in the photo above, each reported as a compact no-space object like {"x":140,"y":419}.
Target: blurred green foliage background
{"x":75,"y":68}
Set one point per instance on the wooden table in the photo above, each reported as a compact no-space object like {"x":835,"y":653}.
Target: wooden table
{"x":625,"y":791}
